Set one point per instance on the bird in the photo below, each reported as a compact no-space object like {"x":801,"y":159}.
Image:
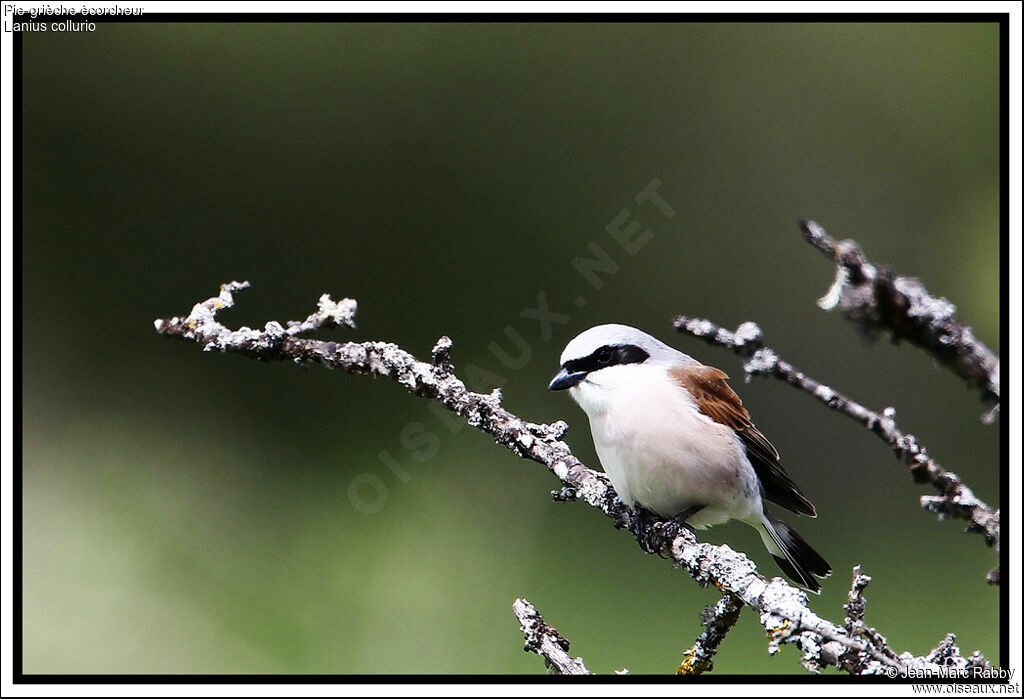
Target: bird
{"x":676,"y":440}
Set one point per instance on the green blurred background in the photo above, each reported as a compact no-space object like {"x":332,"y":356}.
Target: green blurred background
{"x":191,"y":513}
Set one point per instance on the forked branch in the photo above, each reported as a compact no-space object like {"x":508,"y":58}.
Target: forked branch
{"x":878,"y":300}
{"x":955,"y":499}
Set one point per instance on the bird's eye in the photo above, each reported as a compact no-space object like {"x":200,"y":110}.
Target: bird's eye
{"x":604,"y":356}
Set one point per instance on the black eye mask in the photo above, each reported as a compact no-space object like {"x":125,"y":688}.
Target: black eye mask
{"x":607,"y":355}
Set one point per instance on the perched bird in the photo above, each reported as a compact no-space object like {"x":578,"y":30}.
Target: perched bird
{"x":675,"y":439}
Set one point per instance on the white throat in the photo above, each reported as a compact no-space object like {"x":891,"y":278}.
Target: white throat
{"x":620,"y":388}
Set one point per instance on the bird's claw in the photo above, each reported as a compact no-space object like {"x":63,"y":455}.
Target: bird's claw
{"x":645,"y":526}
{"x":653,"y":533}
{"x":677,"y":524}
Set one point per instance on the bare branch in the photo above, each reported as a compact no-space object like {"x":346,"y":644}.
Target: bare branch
{"x":955,"y":499}
{"x":876,"y":299}
{"x":718,"y":619}
{"x":201,"y":325}
{"x":855,"y":602}
{"x":855,"y":626}
{"x":783,"y":609}
{"x":545,"y":641}
{"x":947,"y":654}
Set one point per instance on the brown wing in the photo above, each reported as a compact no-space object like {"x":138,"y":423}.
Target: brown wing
{"x":716,"y":399}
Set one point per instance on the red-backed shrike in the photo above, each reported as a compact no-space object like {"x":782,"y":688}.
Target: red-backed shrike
{"x":674,"y":438}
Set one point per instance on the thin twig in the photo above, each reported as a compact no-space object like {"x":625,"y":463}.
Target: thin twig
{"x":545,"y":641}
{"x":782,"y":608}
{"x":855,"y":626}
{"x":876,"y":299}
{"x":955,"y":499}
{"x":717,"y":619}
{"x":855,"y":602}
{"x":947,"y":655}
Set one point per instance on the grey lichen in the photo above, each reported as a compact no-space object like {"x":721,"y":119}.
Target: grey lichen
{"x":544,"y":640}
{"x":880,"y":301}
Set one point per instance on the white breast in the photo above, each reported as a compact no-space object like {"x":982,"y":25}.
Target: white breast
{"x":660,"y":451}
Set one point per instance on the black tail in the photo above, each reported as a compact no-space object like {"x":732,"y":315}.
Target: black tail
{"x":798,"y":560}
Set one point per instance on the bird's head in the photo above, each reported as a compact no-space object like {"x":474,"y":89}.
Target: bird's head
{"x":606,"y":357}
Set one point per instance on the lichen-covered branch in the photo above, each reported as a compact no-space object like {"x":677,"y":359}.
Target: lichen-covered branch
{"x":783,"y":610}
{"x":854,"y":624}
{"x":855,"y":602}
{"x":717,"y":620}
{"x":947,"y":654}
{"x":877,"y":300}
{"x":201,"y":326}
{"x":545,"y":641}
{"x":955,"y":499}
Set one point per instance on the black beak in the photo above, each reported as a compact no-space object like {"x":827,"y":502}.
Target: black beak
{"x":566,"y":379}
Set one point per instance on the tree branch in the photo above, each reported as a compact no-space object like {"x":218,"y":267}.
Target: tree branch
{"x":955,"y":499}
{"x":545,"y":641}
{"x":783,"y":609}
{"x":876,"y":299}
{"x":855,"y":626}
{"x":718,"y":620}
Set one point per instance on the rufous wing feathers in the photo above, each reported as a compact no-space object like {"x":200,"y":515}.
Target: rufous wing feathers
{"x":716,"y":399}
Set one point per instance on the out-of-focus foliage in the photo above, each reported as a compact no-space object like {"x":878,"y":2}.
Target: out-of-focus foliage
{"x":188,"y":512}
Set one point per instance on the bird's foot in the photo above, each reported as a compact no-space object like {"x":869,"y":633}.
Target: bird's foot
{"x":642,"y":525}
{"x":681,"y":522}
{"x":653,"y":533}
